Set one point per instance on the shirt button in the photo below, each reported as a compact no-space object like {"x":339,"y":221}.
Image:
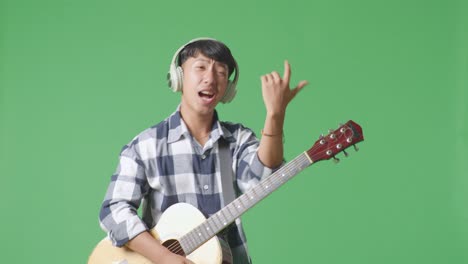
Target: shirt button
{"x":205,"y":187}
{"x":203,"y":156}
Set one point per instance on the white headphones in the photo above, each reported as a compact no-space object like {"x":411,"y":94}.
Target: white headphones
{"x":175,"y":75}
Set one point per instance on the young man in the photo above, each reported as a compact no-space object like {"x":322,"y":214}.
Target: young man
{"x":178,"y":159}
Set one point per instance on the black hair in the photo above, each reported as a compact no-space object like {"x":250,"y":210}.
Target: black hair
{"x":210,"y":48}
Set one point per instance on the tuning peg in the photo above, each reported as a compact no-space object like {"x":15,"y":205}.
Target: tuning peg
{"x":345,"y":153}
{"x":356,"y":148}
{"x":336,"y":160}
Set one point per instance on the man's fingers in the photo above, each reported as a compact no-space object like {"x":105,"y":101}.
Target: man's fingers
{"x":287,"y":71}
{"x":298,"y":88}
{"x":275,"y":76}
{"x":266,"y":78}
{"x":302,"y":84}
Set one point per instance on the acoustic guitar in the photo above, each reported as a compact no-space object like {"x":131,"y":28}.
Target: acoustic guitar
{"x":184,"y":230}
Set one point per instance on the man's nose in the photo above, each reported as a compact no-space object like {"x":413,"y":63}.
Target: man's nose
{"x":209,"y":76}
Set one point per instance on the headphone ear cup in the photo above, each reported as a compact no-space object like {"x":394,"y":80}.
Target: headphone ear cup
{"x":179,"y":76}
{"x":230,"y":92}
{"x":174,"y":78}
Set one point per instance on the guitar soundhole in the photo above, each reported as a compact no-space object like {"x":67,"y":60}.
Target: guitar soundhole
{"x":174,"y":246}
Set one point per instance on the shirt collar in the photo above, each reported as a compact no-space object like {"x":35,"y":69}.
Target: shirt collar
{"x":178,"y":128}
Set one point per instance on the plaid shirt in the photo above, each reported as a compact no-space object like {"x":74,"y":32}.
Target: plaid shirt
{"x":165,"y":165}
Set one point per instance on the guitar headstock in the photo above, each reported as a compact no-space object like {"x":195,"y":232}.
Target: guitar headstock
{"x":326,"y":147}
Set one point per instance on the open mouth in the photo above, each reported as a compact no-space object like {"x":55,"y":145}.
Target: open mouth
{"x":206,"y":95}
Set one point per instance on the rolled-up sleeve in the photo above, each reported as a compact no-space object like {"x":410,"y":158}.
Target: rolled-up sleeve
{"x":249,"y":169}
{"x":118,"y":216}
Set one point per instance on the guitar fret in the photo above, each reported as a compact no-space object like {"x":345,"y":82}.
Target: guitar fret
{"x":183,"y":243}
{"x":197,"y":234}
{"x":254,"y":193}
{"x":242,"y":202}
{"x":262,"y":190}
{"x":237,"y":207}
{"x":209,"y":228}
{"x":223,"y":213}
{"x":191,"y":242}
{"x":218,"y":220}
{"x":258,"y":190}
{"x":270,"y":184}
{"x":209,"y":222}
{"x":222,"y":216}
{"x":267,"y":183}
{"x":287,"y":173}
{"x":305,"y":162}
{"x":230,"y":210}
{"x":277,"y":181}
{"x":201,"y":233}
{"x":295,"y":168}
{"x":249,"y":198}
{"x":213,"y":226}
{"x":204,"y":233}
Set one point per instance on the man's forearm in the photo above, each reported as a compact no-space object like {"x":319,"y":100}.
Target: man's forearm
{"x":270,"y":151}
{"x":146,"y":245}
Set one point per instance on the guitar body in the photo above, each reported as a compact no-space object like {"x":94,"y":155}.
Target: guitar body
{"x":176,"y":221}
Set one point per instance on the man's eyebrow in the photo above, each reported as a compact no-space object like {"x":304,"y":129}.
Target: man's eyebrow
{"x":202,"y":59}
{"x":216,"y":62}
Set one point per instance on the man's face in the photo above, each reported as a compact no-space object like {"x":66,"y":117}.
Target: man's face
{"x":204,"y":83}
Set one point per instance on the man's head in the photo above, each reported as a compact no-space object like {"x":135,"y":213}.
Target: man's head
{"x":210,"y":49}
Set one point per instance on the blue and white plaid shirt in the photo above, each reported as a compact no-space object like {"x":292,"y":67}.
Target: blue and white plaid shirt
{"x":165,"y":165}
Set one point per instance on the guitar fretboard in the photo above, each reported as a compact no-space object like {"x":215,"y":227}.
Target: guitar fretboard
{"x":236,"y":208}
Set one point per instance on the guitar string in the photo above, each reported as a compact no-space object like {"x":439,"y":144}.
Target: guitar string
{"x":175,"y":247}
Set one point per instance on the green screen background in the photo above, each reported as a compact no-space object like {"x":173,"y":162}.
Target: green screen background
{"x":79,"y":79}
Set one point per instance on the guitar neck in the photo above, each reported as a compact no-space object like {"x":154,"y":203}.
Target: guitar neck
{"x":239,"y":206}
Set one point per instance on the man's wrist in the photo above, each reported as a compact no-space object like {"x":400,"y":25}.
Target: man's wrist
{"x":266,"y":134}
{"x":276,"y":115}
